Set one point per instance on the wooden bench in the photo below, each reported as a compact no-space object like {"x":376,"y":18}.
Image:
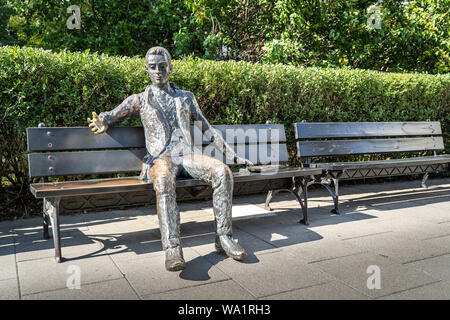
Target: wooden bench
{"x":316,"y":140}
{"x":55,"y":152}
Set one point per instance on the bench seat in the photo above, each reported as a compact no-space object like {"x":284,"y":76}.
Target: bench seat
{"x":132,"y":184}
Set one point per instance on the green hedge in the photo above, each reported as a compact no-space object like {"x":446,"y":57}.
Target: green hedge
{"x":62,"y":89}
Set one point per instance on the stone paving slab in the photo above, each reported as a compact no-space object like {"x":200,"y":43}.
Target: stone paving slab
{"x":286,"y":228}
{"x":400,"y":194}
{"x":414,"y":228}
{"x":7,"y":263}
{"x":397,"y":248}
{"x":204,"y":243}
{"x":46,"y":275}
{"x":395,"y":277}
{"x":34,"y":247}
{"x":9,"y":289}
{"x":117,"y":226}
{"x":149,"y":276}
{"x":118,"y":289}
{"x":402,"y":199}
{"x":125,"y":235}
{"x":333,"y":290}
{"x":435,"y":291}
{"x":441,"y":205}
{"x":324,"y":249}
{"x":439,"y":241}
{"x":149,"y":220}
{"x":68,"y":222}
{"x":421,"y":212}
{"x":120,"y":250}
{"x":272,"y":272}
{"x":221,"y":290}
{"x":347,"y":228}
{"x":438,"y":267}
{"x":244,"y":211}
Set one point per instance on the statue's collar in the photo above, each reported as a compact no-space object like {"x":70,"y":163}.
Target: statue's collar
{"x":170,"y":89}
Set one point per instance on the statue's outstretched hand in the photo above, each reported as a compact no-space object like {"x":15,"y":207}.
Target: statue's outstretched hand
{"x":96,"y":124}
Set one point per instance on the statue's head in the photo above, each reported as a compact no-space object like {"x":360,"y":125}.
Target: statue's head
{"x":158,"y":65}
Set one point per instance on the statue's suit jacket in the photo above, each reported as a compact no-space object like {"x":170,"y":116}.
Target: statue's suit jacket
{"x":158,"y":132}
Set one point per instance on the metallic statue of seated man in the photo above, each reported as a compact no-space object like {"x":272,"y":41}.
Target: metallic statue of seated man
{"x":166,"y":112}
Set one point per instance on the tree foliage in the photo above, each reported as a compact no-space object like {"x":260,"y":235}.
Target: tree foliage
{"x":6,"y":36}
{"x":412,"y":35}
{"x":110,"y":26}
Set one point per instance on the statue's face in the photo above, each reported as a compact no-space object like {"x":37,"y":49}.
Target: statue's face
{"x":159,"y":69}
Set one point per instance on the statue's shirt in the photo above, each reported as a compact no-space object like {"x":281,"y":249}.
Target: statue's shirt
{"x":165,"y":102}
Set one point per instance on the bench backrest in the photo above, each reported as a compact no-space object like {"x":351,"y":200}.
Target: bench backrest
{"x":58,"y":151}
{"x":315,"y":139}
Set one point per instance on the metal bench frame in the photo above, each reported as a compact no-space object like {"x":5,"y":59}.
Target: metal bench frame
{"x":325,"y":139}
{"x":55,"y":151}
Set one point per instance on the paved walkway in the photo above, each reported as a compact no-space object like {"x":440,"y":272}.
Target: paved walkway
{"x":392,"y":241}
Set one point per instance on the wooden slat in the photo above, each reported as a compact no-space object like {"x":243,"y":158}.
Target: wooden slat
{"x":82,"y":138}
{"x":87,"y":187}
{"x":310,"y":130}
{"x":84,"y":162}
{"x":258,"y":154}
{"x":367,"y":146}
{"x":249,"y":133}
{"x":112,"y":161}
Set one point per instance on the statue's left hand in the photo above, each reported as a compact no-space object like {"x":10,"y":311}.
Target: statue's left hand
{"x":244,"y":161}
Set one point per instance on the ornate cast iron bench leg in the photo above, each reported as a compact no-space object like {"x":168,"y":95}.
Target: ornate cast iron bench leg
{"x":51,"y":208}
{"x":270,"y":195}
{"x":301,"y":193}
{"x":336,"y":197}
{"x":299,"y":190}
{"x":45,"y":217}
{"x":424,"y":180}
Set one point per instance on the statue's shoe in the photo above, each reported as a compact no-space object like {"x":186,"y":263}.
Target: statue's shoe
{"x":231,"y":247}
{"x":174,"y":259}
